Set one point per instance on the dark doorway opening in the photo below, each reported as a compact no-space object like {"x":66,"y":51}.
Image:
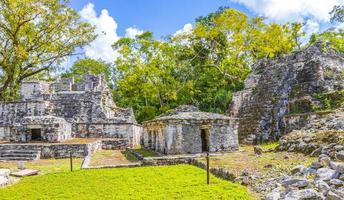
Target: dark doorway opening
{"x":205,"y":140}
{"x":154,"y":141}
{"x":36,"y":134}
{"x":150,"y":140}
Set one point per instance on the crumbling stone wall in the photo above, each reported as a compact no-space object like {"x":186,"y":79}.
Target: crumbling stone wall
{"x":33,"y":90}
{"x":52,"y":129}
{"x":312,"y":122}
{"x":111,"y":144}
{"x":4,"y":132}
{"x":12,"y":112}
{"x":63,"y":150}
{"x":275,"y":86}
{"x":86,"y":105}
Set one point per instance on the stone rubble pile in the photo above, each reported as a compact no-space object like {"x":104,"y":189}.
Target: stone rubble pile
{"x":4,"y":177}
{"x":324,"y":179}
{"x":312,"y":146}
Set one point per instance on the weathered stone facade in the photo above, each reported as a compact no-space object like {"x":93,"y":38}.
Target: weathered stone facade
{"x":186,"y":130}
{"x":32,"y":151}
{"x":284,"y":86}
{"x":53,"y":112}
{"x":48,"y":128}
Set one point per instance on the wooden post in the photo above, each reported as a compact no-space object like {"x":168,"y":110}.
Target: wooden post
{"x":207,"y":158}
{"x":71,"y":161}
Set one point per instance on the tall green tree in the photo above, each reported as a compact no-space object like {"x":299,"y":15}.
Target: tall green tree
{"x":202,"y":67}
{"x":145,"y":69}
{"x":337,"y":14}
{"x":218,"y":53}
{"x":334,"y":36}
{"x":89,"y":65}
{"x":35,"y":36}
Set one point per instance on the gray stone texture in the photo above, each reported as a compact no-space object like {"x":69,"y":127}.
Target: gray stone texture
{"x":276,"y":87}
{"x":180,"y":132}
{"x":59,"y":150}
{"x":65,"y":109}
{"x":53,"y":129}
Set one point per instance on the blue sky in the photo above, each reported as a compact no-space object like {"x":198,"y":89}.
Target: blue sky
{"x":162,"y":17}
{"x":114,"y":19}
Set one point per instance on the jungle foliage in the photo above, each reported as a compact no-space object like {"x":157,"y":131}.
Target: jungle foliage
{"x":202,"y":67}
{"x":35,"y":36}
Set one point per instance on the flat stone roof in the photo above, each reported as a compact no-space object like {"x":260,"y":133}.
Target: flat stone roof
{"x":193,"y":115}
{"x":189,"y":113}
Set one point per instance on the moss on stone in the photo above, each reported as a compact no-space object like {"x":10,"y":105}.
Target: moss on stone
{"x":319,"y":102}
{"x":294,"y":91}
{"x":329,"y":101}
{"x":303,"y":105}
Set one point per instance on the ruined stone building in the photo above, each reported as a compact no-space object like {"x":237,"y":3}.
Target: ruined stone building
{"x":291,"y":92}
{"x":187,"y":130}
{"x":54,"y":112}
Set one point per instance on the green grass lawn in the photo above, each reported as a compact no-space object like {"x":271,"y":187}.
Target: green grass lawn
{"x":163,"y":182}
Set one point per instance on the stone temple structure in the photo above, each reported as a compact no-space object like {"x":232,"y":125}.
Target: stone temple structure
{"x":291,"y":93}
{"x":54,"y":112}
{"x":186,"y":130}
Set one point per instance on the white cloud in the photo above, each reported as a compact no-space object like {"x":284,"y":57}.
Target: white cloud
{"x":292,"y":10}
{"x":132,"y":32}
{"x":106,"y":28}
{"x":311,"y":26}
{"x":314,"y":13}
{"x":185,"y":30}
{"x":340,"y":26}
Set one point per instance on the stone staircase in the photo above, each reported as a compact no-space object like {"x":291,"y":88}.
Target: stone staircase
{"x":14,"y":154}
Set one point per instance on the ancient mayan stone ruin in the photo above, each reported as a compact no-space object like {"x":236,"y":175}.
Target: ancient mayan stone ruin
{"x":186,"y":130}
{"x":291,"y":93}
{"x":48,"y":114}
{"x":54,"y":112}
{"x":280,"y":96}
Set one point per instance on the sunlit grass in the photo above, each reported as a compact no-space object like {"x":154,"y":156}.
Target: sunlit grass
{"x":164,"y":182}
{"x":269,"y":145}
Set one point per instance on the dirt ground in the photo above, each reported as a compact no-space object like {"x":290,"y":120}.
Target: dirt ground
{"x":46,"y":166}
{"x":111,"y":157}
{"x":268,"y":165}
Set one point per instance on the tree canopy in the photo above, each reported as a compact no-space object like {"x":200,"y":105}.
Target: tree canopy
{"x":202,"y":67}
{"x":89,"y":65}
{"x":35,"y":36}
{"x":334,"y":36}
{"x":337,"y":14}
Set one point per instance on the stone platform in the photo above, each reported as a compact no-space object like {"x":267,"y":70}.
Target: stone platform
{"x":25,"y":172}
{"x":79,"y":147}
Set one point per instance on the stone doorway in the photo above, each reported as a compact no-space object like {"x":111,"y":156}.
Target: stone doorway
{"x":205,"y":140}
{"x":36,"y":134}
